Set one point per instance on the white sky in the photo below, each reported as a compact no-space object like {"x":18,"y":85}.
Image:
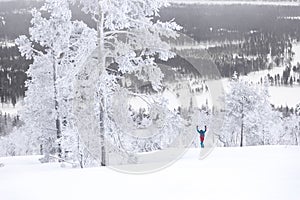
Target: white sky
{"x":219,"y":2}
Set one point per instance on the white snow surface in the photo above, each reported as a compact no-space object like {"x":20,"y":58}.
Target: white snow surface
{"x":264,"y":172}
{"x":279,"y":95}
{"x":285,"y":96}
{"x":10,"y":109}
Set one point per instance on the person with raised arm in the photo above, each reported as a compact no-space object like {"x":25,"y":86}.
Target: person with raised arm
{"x":202,"y":135}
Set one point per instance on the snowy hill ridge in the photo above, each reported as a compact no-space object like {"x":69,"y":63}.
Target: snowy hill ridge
{"x":261,"y":172}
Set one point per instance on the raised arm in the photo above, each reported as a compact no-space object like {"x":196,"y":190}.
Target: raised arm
{"x":198,"y":129}
{"x":205,"y":129}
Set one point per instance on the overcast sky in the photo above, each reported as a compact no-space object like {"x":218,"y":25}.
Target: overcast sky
{"x":283,"y":2}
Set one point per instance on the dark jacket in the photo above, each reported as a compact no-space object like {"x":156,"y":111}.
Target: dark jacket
{"x":201,"y":132}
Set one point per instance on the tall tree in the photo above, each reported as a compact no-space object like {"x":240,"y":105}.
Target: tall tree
{"x":129,"y":35}
{"x":58,"y":46}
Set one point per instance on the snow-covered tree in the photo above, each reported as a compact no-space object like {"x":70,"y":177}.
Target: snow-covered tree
{"x":249,"y":118}
{"x":58,"y":46}
{"x":130,"y":36}
{"x":263,"y":122}
{"x":290,"y":132}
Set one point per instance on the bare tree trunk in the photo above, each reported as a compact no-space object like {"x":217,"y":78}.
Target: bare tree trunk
{"x":263,"y":136}
{"x":102,"y":132}
{"x":57,"y":121}
{"x":81,"y":163}
{"x":296,"y":137}
{"x":242,"y":127}
{"x":101,"y":65}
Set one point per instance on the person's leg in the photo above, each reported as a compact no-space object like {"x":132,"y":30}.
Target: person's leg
{"x":202,"y":141}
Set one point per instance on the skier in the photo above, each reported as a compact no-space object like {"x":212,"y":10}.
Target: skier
{"x":202,"y":135}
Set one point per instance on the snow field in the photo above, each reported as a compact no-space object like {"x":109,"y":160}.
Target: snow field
{"x":265,"y":172}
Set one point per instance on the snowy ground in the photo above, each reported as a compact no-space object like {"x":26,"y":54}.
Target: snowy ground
{"x":266,"y":172}
{"x":285,"y":96}
{"x":279,"y":95}
{"x":8,"y":108}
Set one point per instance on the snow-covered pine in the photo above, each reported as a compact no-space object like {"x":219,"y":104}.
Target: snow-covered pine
{"x":290,"y":132}
{"x":130,"y":36}
{"x":249,"y":118}
{"x":58,"y":46}
{"x":263,"y":124}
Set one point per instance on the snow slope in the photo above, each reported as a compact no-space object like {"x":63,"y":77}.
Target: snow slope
{"x":266,"y":172}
